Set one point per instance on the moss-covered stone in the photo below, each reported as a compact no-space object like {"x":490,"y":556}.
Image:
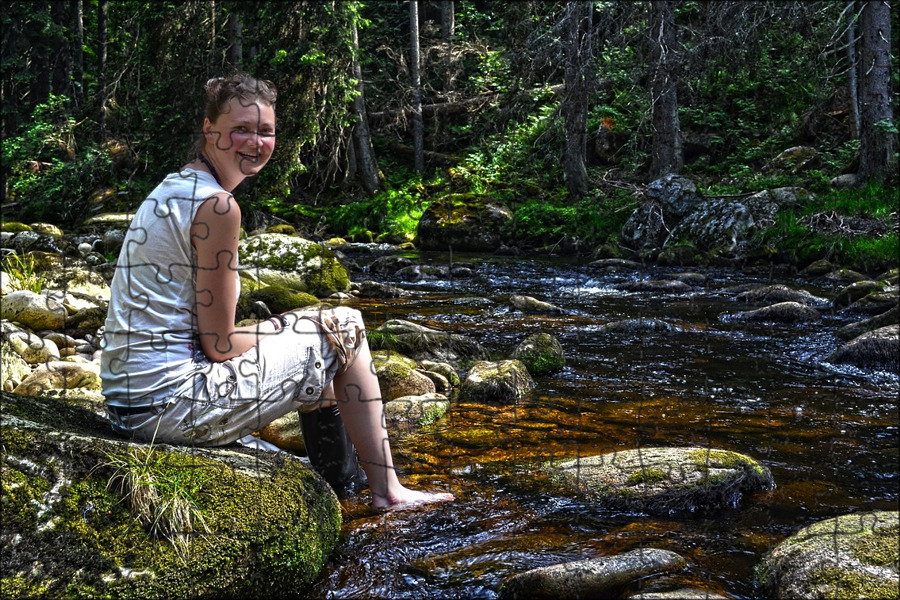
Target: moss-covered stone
{"x":665,"y":480}
{"x":15,"y":227}
{"x":465,"y":222}
{"x":277,"y":298}
{"x":313,"y":267}
{"x":271,"y":522}
{"x":541,"y":353}
{"x":850,"y":556}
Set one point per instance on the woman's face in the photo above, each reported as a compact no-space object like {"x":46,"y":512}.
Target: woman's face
{"x":243,"y":138}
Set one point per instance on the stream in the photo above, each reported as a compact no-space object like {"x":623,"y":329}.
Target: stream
{"x":828,"y":433}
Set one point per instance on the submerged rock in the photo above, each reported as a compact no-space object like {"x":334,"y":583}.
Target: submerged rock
{"x":660,"y":481}
{"x":851,"y":556}
{"x":640,"y":325}
{"x":423,"y":343}
{"x":877,"y":349}
{"x":88,"y":514}
{"x":601,"y":577}
{"x":890,"y":317}
{"x":771,"y":294}
{"x":503,"y":381}
{"x":528,"y":304}
{"x":783,"y":312}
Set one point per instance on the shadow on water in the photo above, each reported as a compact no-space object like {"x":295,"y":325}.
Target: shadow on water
{"x":828,"y":434}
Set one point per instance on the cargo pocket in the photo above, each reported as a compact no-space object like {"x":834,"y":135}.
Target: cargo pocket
{"x":310,"y":378}
{"x":232,"y":383}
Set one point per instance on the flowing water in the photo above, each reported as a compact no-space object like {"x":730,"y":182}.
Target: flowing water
{"x":828,"y":433}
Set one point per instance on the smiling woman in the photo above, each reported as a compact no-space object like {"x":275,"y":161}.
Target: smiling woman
{"x":176,"y":368}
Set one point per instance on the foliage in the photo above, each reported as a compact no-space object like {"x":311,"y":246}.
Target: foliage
{"x":394,"y":213}
{"x":50,"y":178}
{"x":22,"y":274}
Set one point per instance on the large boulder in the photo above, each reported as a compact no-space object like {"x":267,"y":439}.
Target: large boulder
{"x":87,"y":514}
{"x":850,"y":556}
{"x":33,"y":310}
{"x":293,"y":262}
{"x":399,"y":376}
{"x":662,"y":481}
{"x":463,"y":222}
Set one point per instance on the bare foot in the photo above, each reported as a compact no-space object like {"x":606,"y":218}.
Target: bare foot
{"x":406,"y":498}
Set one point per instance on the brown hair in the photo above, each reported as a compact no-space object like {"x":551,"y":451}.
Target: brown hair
{"x":222,"y":90}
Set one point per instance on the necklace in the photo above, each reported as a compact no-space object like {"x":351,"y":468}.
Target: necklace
{"x":211,"y":168}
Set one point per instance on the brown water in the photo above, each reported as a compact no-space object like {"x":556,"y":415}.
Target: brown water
{"x":828,"y":434}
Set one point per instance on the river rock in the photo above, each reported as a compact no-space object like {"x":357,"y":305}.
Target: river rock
{"x":33,"y":310}
{"x":875,"y":302}
{"x":445,"y":369}
{"x":416,"y":410}
{"x":640,"y":326}
{"x":661,"y":286}
{"x":679,"y":594}
{"x":541,"y":353}
{"x":423,"y":343}
{"x":616,"y":264}
{"x":308,"y":266}
{"x":852,"y":330}
{"x":850,"y":556}
{"x":14,"y":368}
{"x":662,"y":481}
{"x":600,"y":577}
{"x":34,"y":349}
{"x":877,"y":349}
{"x":853,"y":292}
{"x":530,"y":305}
{"x":373,"y":289}
{"x":398,"y":376}
{"x":783,"y":312}
{"x":504,"y":382}
{"x":60,"y":375}
{"x":285,"y":432}
{"x":770,"y":294}
{"x":464,"y":223}
{"x":69,"y":530}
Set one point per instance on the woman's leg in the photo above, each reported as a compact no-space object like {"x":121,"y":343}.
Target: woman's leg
{"x":360,"y":403}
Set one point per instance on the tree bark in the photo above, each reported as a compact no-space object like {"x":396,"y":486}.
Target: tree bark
{"x":852,"y":69}
{"x":878,"y":137}
{"x":366,"y":164}
{"x":78,"y":55}
{"x":40,"y":83}
{"x":666,"y":150}
{"x":236,"y":45}
{"x":448,"y":26}
{"x":102,"y":12}
{"x":414,"y":59}
{"x":575,"y":99}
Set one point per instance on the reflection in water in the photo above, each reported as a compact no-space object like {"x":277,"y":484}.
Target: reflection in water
{"x":828,"y":434}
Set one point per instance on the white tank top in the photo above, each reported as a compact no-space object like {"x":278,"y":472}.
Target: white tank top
{"x":149,"y":338}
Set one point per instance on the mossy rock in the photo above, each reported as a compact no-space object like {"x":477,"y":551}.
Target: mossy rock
{"x":850,"y":556}
{"x":71,"y":534}
{"x":283,"y":228}
{"x":310,"y":266}
{"x":662,"y":481}
{"x":503,"y":382}
{"x":277,"y":298}
{"x":15,"y":227}
{"x":464,"y":222}
{"x":541,"y":353}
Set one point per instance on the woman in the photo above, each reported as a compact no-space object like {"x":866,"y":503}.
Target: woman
{"x":175,"y":368}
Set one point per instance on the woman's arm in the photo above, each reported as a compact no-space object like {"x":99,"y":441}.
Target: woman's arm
{"x":215,"y":234}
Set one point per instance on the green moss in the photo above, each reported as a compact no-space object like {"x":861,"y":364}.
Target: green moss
{"x":15,"y":227}
{"x":843,"y":584}
{"x":282,"y":228}
{"x":647,"y":476}
{"x":277,"y":298}
{"x":703,"y":459}
{"x":879,"y":548}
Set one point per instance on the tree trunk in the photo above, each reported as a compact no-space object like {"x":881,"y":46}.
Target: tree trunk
{"x":236,"y":46}
{"x":40,"y":83}
{"x":414,"y":59}
{"x":878,"y":137}
{"x":448,"y":25}
{"x":62,"y":59}
{"x":78,"y":55}
{"x":575,"y":103}
{"x":366,"y":165}
{"x":852,"y":69}
{"x":102,"y":12}
{"x":666,"y":152}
